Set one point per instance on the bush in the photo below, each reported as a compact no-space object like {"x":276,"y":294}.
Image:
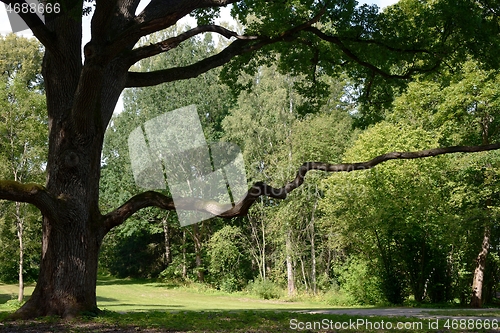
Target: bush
{"x":229,"y":284}
{"x":336,"y":297}
{"x":265,"y":289}
{"x":228,"y":263}
{"x":358,"y":285}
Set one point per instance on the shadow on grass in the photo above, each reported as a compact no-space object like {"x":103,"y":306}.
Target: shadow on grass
{"x":4,"y":298}
{"x":106,"y":299}
{"x":142,"y":307}
{"x":109,"y":280}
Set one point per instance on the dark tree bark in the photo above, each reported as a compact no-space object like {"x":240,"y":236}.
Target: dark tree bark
{"x":81,"y":97}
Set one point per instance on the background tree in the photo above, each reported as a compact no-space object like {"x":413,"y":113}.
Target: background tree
{"x":394,"y":224}
{"x":22,"y":144}
{"x":212,"y":99}
{"x":463,"y":108}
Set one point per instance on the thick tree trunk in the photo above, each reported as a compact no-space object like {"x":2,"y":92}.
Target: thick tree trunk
{"x":71,"y":239}
{"x":477,"y":282}
{"x":68,"y":272}
{"x":80,"y":102}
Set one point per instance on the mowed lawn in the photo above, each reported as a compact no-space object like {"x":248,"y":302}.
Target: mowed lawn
{"x":124,"y":296}
{"x":128,"y":295}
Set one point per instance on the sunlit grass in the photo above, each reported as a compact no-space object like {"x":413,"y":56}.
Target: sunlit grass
{"x":130,"y":305}
{"x":136,"y":295}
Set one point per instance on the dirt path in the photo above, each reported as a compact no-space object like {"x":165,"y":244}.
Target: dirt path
{"x":422,"y":313}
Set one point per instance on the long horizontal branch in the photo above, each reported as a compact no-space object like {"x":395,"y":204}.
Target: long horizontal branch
{"x":31,"y":193}
{"x":155,"y":199}
{"x":173,"y":42}
{"x":244,"y":44}
{"x":145,"y":79}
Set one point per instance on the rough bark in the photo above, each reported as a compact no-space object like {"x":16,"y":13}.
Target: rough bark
{"x":477,"y":282}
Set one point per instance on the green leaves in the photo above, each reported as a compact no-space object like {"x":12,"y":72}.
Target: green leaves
{"x":393,"y":212}
{"x":23,"y":149}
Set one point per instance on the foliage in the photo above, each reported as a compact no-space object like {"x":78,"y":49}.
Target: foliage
{"x":227,"y":261}
{"x":133,"y":251}
{"x":23,"y":140}
{"x":265,"y":289}
{"x":358,"y":283}
{"x":395,"y":213}
{"x":144,"y":232}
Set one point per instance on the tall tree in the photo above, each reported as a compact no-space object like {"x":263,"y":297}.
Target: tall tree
{"x":395,"y":216}
{"x":81,"y":95}
{"x":23,"y":134}
{"x":468,"y":100}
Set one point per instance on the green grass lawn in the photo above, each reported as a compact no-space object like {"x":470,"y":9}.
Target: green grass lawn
{"x":133,"y":295}
{"x":127,"y":295}
{"x":134,"y":305}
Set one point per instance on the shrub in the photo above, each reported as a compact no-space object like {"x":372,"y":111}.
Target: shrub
{"x":265,"y":289}
{"x":358,"y":284}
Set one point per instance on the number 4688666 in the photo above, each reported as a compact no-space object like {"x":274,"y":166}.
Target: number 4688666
{"x":35,"y":8}
{"x":471,"y":324}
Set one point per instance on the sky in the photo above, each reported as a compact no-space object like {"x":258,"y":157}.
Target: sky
{"x":5,"y":26}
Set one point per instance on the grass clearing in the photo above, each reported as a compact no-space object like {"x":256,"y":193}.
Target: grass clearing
{"x":126,"y":295}
{"x":138,"y":305}
{"x":135,"y":295}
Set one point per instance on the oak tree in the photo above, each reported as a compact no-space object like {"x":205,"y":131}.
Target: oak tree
{"x":312,"y":37}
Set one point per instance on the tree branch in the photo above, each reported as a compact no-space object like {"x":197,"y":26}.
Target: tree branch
{"x":238,"y":47}
{"x":340,"y":43}
{"x":158,"y":15}
{"x":155,"y":199}
{"x":100,"y":20}
{"x":244,"y":44}
{"x":31,"y":193}
{"x":173,"y":42}
{"x":44,"y":35}
{"x":127,"y":8}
